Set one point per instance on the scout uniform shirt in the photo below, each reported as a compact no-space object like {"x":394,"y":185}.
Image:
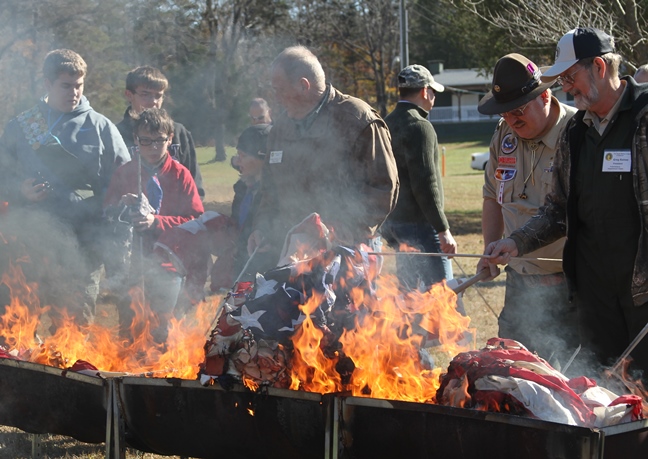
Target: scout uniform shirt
{"x":518,"y":176}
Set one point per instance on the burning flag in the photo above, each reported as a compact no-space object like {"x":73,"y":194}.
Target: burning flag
{"x":327,"y":325}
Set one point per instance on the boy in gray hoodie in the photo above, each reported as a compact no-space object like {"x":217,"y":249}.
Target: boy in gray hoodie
{"x":56,"y":160}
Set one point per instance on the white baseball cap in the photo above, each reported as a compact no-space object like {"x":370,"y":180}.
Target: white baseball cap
{"x":578,"y":44}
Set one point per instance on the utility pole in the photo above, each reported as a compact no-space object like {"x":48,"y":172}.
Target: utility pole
{"x":404,"y":43}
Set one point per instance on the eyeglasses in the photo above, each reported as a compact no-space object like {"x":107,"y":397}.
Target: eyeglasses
{"x":145,"y":141}
{"x":257,"y":118}
{"x":150,"y":95}
{"x":569,"y":78}
{"x":517,"y":112}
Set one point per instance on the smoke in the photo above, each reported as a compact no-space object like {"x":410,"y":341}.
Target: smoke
{"x":541,"y":318}
{"x":544,"y":321}
{"x":48,"y":253}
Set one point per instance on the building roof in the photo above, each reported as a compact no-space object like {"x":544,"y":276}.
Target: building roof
{"x":463,"y":78}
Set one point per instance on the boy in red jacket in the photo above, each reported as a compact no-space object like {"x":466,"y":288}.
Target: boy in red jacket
{"x":169,"y":198}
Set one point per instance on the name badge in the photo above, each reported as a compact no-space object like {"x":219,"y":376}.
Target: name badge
{"x":617,"y":161}
{"x":276,"y":156}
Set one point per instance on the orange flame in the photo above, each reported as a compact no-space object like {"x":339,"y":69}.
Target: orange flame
{"x":311,"y":369}
{"x":457,"y":392}
{"x":250,"y":384}
{"x":100,"y":345}
{"x":383,"y":345}
{"x":633,"y":385}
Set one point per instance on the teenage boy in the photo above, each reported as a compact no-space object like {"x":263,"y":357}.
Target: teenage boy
{"x":145,"y":88}
{"x":56,"y":160}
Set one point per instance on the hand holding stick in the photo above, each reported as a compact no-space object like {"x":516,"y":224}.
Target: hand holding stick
{"x":481,"y":275}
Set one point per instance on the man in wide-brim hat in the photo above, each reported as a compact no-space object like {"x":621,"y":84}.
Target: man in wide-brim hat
{"x":517,"y":178}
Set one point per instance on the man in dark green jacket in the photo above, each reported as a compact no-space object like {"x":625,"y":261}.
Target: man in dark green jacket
{"x":418,"y":220}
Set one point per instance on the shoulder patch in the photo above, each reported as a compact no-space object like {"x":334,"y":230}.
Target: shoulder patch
{"x":509,"y":143}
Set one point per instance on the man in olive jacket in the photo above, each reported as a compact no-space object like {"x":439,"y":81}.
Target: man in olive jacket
{"x":418,"y":220}
{"x":328,"y":153}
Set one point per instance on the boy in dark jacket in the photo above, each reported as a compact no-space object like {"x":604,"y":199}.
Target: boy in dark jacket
{"x":145,"y":88}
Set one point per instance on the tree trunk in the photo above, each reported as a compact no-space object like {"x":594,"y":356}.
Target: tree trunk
{"x":219,"y":134}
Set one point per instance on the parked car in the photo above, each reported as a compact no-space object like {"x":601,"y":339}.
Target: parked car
{"x":478,"y":160}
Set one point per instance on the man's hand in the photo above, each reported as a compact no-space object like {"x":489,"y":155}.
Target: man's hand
{"x":448,"y":244}
{"x":502,"y":251}
{"x":33,"y":191}
{"x":493,"y":268}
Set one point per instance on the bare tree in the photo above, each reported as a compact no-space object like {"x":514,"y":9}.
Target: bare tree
{"x":231,"y":25}
{"x":543,"y":22}
{"x":357,"y":41}
{"x":31,"y":28}
{"x":376,"y":44}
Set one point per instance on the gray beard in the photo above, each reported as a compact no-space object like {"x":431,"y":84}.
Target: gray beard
{"x":585,"y":102}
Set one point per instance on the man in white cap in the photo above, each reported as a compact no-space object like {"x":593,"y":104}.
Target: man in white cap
{"x":517,"y":178}
{"x":600,"y":198}
{"x":418,"y":220}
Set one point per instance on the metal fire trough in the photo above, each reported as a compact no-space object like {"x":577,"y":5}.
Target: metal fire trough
{"x":374,"y":428}
{"x":39,"y":399}
{"x":183,"y":418}
{"x":180,"y":417}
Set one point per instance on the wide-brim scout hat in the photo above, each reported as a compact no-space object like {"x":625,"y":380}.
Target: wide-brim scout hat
{"x":577,"y":44}
{"x":516,"y":81}
{"x":416,"y":76}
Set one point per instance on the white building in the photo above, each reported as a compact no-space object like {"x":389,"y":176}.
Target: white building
{"x":463,"y":90}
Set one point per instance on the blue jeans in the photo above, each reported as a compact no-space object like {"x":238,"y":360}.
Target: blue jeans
{"x":417,"y":272}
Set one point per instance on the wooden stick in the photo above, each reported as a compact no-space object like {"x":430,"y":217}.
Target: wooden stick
{"x":481,"y":275}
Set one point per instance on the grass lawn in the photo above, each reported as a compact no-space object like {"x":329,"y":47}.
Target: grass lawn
{"x":463,"y":207}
